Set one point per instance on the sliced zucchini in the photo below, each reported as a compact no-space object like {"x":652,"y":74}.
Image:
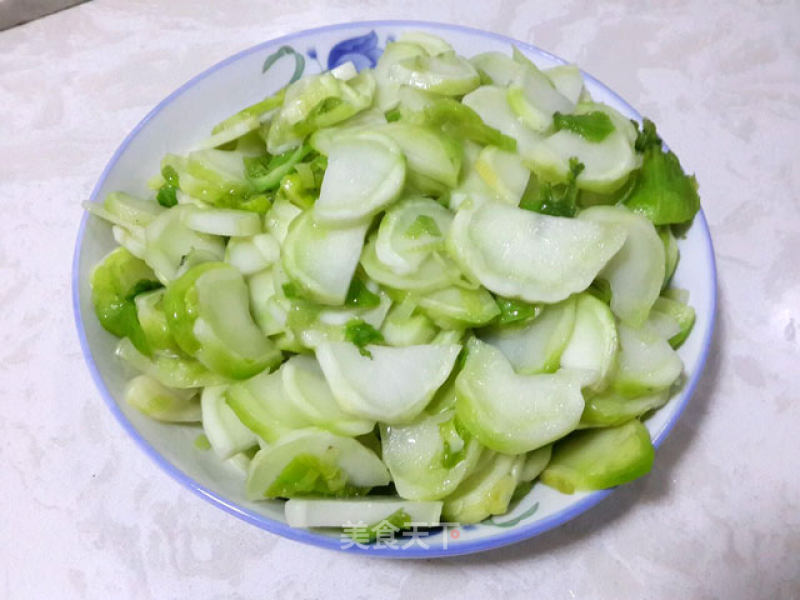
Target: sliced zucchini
{"x":221,"y":221}
{"x":534,"y":98}
{"x":429,"y":153}
{"x":225,"y":432}
{"x":680,"y":312}
{"x":536,"y":347}
{"x":535,"y":463}
{"x":592,"y":347}
{"x":455,"y":307}
{"x":162,"y":403}
{"x":314,"y":462}
{"x":568,"y":80}
{"x":302,"y":512}
{"x":538,"y":258}
{"x":646,"y":362}
{"x":393,"y":385}
{"x":447,"y":74}
{"x":609,"y":408}
{"x":170,"y":370}
{"x":636,"y":272}
{"x":514,"y":413}
{"x":504,"y":173}
{"x":595,"y":459}
{"x":435,"y":272}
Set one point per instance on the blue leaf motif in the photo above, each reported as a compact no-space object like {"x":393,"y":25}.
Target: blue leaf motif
{"x":362,"y":51}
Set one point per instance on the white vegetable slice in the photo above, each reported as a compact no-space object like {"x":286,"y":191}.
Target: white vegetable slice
{"x":488,"y":489}
{"x":435,"y":272}
{"x":343,"y":456}
{"x":409,"y":231}
{"x":432,"y":44}
{"x":535,"y":463}
{"x":225,"y":432}
{"x":536,"y":347}
{"x":429,"y":457}
{"x":499,"y":67}
{"x":252,"y":254}
{"x":568,"y":80}
{"x":522,"y":254}
{"x":491,"y":104}
{"x":160,"y":402}
{"x":592,"y":347}
{"x":306,"y":387}
{"x":279,"y":217}
{"x":514,"y":413}
{"x":428,"y":153}
{"x":504,"y":172}
{"x":534,"y":98}
{"x":221,"y":221}
{"x":132,"y":210}
{"x":447,"y":74}
{"x":301,"y":512}
{"x":646,"y":362}
{"x":393,"y":385}
{"x":636,"y":272}
{"x":386,"y":94}
{"x":322,"y":260}
{"x":365,"y":173}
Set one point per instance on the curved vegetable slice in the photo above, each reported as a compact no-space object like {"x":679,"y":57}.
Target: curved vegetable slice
{"x":401,"y":328}
{"x":433,"y":45}
{"x":610,"y":408}
{"x":435,"y":272}
{"x":409,"y":231}
{"x":365,"y":173}
{"x":536,"y":347}
{"x":504,"y":173}
{"x":646,"y":362}
{"x":225,"y":432}
{"x":500,"y":68}
{"x":538,"y":258}
{"x":387,"y":92}
{"x":252,"y":254}
{"x":429,"y":457}
{"x":279,"y":217}
{"x":168,"y":369}
{"x":636,"y":272}
{"x":321,"y":259}
{"x":313,"y":462}
{"x":535,"y":463}
{"x":262,"y":404}
{"x":229,"y":340}
{"x":130,"y":210}
{"x":487,"y":491}
{"x":682,"y":313}
{"x":596,"y":459}
{"x":455,"y":307}
{"x":534,"y":98}
{"x":514,"y":413}
{"x":307,"y":388}
{"x":428,"y":153}
{"x":592,"y":347}
{"x":491,"y":104}
{"x":671,"y":253}
{"x":162,"y":403}
{"x":393,"y":385}
{"x":115,"y":283}
{"x":347,"y":513}
{"x":447,"y":74}
{"x":568,"y":80}
{"x":150,"y":312}
{"x":221,"y":221}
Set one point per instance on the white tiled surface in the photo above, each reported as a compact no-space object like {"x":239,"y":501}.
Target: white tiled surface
{"x":86,"y":515}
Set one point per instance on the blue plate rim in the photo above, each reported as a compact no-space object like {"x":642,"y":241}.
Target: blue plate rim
{"x":512,"y":536}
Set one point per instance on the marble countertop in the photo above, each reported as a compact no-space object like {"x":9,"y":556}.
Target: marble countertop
{"x":87,"y":515}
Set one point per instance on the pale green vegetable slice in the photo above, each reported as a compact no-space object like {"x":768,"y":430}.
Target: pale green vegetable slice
{"x":365,"y":174}
{"x":535,"y":463}
{"x":307,"y":388}
{"x":428,"y":153}
{"x":252,"y":254}
{"x":225,"y":432}
{"x":536,"y":347}
{"x":409,"y":231}
{"x":568,"y":80}
{"x":432,"y":44}
{"x":646,"y":362}
{"x":132,"y":239}
{"x":401,"y":328}
{"x":447,"y":74}
{"x":131,"y":210}
{"x":435,"y":272}
{"x":671,"y":253}
{"x":592,"y":347}
{"x":269,"y":306}
{"x":221,"y":221}
{"x":321,"y":259}
{"x":607,"y":163}
{"x":301,"y":512}
{"x":279,"y":217}
{"x":504,"y":173}
{"x":455,"y":307}
{"x":596,"y":459}
{"x":393,"y":385}
{"x":169,"y":241}
{"x":162,"y":403}
{"x":610,"y":408}
{"x":314,"y":462}
{"x":514,"y":413}
{"x":491,"y":104}
{"x":500,"y":68}
{"x":230,"y":342}
{"x":262,"y":404}
{"x":387,"y":92}
{"x":679,"y":311}
{"x":428,"y":457}
{"x":487,"y":491}
{"x":150,"y":313}
{"x":534,"y":98}
{"x":170,"y":370}
{"x":538,"y":258}
{"x":369,"y":120}
{"x":636,"y":272}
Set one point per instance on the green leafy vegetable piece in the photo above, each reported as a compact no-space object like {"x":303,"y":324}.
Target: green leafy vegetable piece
{"x":115,"y":284}
{"x":361,"y":333}
{"x":360,"y":296}
{"x":554,"y":199}
{"x":647,"y":136}
{"x":593,"y":126}
{"x":168,"y":193}
{"x":516,"y":311}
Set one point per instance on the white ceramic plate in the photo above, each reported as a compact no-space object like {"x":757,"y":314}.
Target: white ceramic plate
{"x":184,"y":118}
